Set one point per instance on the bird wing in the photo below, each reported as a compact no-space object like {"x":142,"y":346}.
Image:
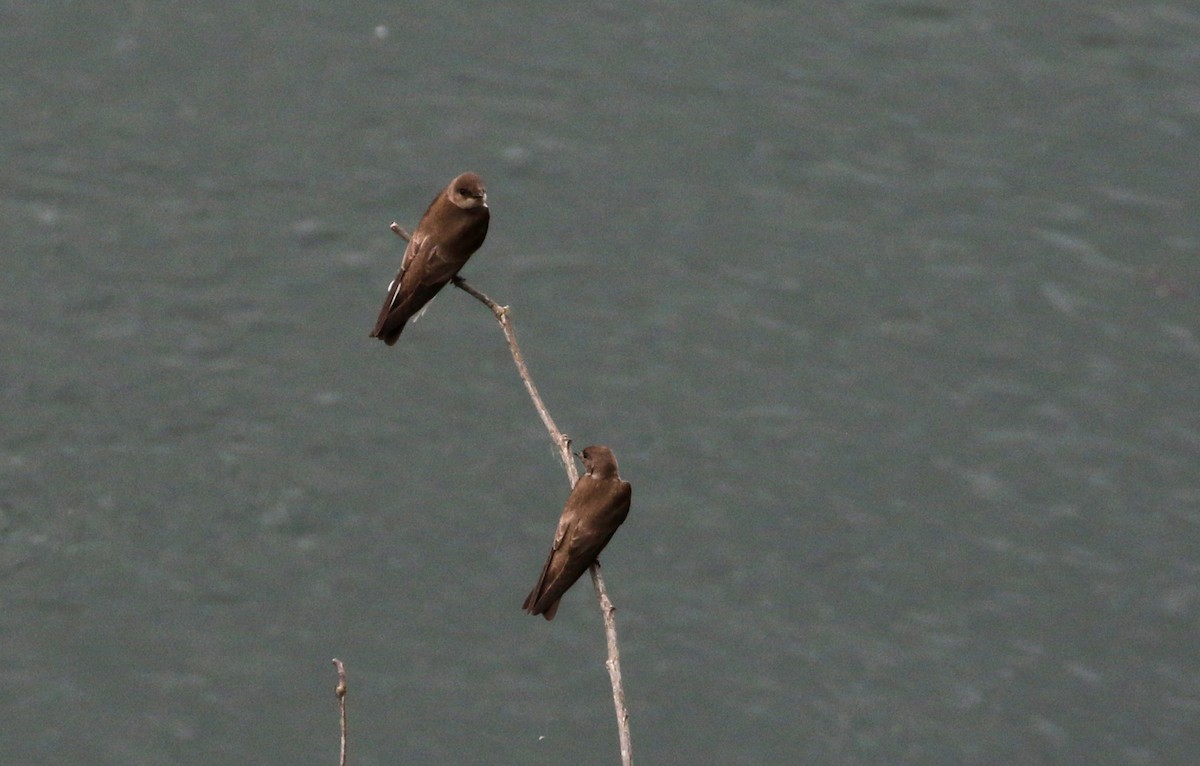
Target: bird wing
{"x":560,"y":534}
{"x":419,"y":252}
{"x":593,"y":512}
{"x":439,"y":268}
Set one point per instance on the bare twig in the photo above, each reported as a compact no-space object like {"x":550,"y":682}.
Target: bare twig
{"x":561,"y":441}
{"x":563,"y":444}
{"x":614,"y":665}
{"x":340,"y":691}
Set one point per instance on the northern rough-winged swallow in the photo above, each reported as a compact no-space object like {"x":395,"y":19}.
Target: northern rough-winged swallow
{"x":450,"y":231}
{"x":597,"y":506}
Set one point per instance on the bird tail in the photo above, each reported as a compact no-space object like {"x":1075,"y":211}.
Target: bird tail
{"x":388,"y":332}
{"x":531,"y":606}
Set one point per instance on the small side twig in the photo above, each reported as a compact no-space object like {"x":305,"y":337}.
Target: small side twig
{"x":563,"y":443}
{"x":340,"y":691}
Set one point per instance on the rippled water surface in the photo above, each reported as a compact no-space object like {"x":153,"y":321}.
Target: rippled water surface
{"x":890,"y":311}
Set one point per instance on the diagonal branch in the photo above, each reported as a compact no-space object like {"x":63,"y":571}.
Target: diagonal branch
{"x":613,"y":664}
{"x":563,"y":444}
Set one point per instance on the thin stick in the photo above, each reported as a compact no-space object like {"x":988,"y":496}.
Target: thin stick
{"x":607,"y":610}
{"x":340,"y":691}
{"x":614,"y":664}
{"x":563,"y":444}
{"x":561,"y":441}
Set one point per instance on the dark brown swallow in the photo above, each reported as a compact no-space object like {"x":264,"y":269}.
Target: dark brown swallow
{"x":597,"y":506}
{"x":450,"y":231}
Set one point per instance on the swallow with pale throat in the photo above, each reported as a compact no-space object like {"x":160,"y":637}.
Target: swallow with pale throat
{"x":451,"y":230}
{"x":597,"y":505}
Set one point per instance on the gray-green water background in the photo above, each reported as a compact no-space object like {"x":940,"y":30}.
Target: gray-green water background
{"x":889,"y":310}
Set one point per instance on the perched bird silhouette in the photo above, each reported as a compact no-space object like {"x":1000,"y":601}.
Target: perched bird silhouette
{"x":597,"y":506}
{"x":451,"y":230}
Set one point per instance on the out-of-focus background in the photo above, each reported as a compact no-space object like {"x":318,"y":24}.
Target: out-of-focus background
{"x":889,"y":310}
